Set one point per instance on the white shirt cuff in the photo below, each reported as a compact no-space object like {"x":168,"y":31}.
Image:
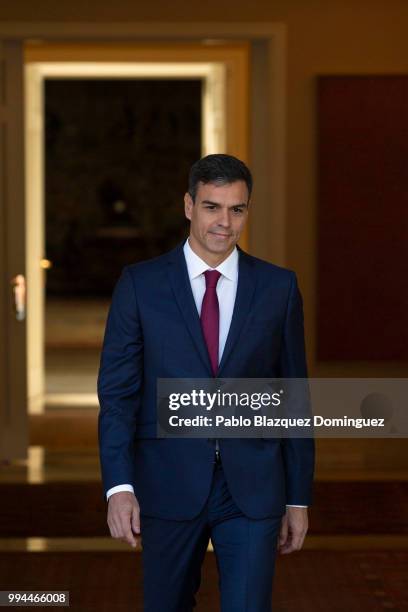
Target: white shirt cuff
{"x":118,"y":489}
{"x":295,"y":506}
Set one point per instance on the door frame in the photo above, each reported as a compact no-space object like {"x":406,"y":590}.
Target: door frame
{"x":265,"y":151}
{"x":130,"y":61}
{"x":267,"y":126}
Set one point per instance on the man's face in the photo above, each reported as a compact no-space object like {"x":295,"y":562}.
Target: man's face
{"x":217,"y":217}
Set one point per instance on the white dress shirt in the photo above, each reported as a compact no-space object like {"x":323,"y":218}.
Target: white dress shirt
{"x":226,"y":287}
{"x":226,"y":293}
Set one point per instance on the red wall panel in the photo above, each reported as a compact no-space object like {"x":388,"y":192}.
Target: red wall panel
{"x":362,"y":301}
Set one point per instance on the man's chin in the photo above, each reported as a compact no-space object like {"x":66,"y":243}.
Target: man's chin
{"x":220,"y":247}
{"x":219,"y":242}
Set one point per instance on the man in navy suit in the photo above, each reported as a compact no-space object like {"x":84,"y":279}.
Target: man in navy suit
{"x":204,"y":309}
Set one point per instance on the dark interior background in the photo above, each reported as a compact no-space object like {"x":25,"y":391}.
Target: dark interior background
{"x":117,"y":158}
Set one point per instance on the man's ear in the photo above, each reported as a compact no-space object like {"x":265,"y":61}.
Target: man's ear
{"x":188,"y":205}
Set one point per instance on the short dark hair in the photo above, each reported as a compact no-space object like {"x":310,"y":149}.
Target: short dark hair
{"x":219,"y":169}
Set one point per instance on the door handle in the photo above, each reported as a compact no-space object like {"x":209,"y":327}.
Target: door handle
{"x":19,"y":296}
{"x":45,"y":264}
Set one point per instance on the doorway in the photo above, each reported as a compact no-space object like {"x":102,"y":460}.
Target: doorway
{"x":89,"y":208}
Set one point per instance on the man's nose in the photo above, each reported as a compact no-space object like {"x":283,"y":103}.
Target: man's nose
{"x":224,"y":218}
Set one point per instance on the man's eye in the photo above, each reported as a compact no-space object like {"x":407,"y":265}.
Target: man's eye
{"x":237,"y":210}
{"x":210,"y":207}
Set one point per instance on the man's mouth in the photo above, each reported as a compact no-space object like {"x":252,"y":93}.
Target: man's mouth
{"x":221,"y":235}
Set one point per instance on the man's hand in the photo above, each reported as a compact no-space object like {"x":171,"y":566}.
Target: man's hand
{"x":293,"y":530}
{"x":124,"y":517}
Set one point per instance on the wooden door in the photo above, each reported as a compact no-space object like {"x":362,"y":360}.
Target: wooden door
{"x":13,"y":368}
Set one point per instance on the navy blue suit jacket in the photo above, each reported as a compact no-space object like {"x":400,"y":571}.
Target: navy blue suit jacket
{"x":153,"y":330}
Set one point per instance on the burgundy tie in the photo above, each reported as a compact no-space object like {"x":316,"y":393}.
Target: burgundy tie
{"x":210,"y":317}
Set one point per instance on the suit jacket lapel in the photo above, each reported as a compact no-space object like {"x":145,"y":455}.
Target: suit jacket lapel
{"x":243,"y":299}
{"x":181,"y":286}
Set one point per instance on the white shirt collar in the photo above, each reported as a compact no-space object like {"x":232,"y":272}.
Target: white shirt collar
{"x":196,"y":265}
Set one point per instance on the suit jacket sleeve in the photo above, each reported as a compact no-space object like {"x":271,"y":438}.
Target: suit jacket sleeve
{"x":119,"y":384}
{"x":298,"y":453}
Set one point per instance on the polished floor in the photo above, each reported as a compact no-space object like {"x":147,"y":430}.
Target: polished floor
{"x":53,"y":531}
{"x":310,"y":581}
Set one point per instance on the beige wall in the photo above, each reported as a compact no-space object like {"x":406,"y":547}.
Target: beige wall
{"x":324,"y":37}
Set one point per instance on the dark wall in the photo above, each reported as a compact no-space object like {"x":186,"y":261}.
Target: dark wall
{"x":117,"y":159}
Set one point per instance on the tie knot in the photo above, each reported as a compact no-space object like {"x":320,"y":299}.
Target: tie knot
{"x":211,"y":278}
